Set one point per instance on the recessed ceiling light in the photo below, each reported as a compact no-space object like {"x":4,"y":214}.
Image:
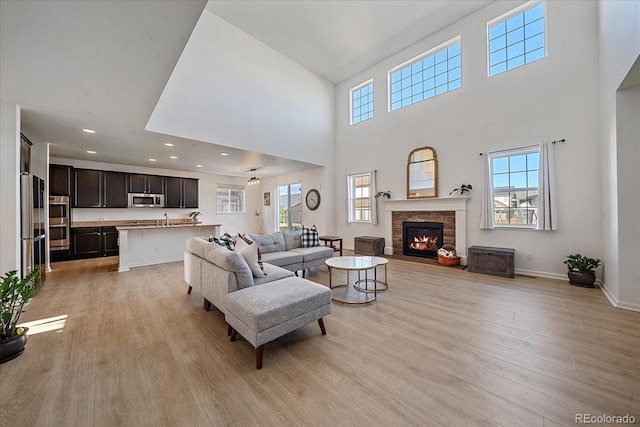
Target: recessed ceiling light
{"x":173,"y":157}
{"x":198,"y":166}
{"x":88,"y":130}
{"x":91,"y":152}
{"x":224,"y":154}
{"x":152,"y":160}
{"x":168,"y":144}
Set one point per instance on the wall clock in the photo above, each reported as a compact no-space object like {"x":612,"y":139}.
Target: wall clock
{"x":313,"y":199}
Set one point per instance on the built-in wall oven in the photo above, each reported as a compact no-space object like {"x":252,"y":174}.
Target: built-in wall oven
{"x":59,"y":223}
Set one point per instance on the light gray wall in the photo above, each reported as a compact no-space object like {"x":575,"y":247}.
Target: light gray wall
{"x":230,"y":89}
{"x":553,"y":98}
{"x":619,"y":47}
{"x":9,"y":187}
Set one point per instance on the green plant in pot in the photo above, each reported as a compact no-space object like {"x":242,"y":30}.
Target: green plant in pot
{"x":14,"y":294}
{"x":194,"y":216}
{"x":580,"y":271}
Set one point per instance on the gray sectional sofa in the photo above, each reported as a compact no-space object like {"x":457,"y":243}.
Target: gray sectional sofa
{"x":259,"y":308}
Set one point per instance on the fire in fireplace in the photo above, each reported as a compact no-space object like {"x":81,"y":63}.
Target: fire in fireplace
{"x":422,"y":239}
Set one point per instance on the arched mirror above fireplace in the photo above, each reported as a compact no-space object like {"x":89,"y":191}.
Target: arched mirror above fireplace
{"x":422,"y":173}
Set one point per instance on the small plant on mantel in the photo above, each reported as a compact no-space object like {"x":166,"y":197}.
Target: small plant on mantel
{"x":385,"y":194}
{"x":462,"y":189}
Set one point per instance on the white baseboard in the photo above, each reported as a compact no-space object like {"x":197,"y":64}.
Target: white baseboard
{"x":616,"y":303}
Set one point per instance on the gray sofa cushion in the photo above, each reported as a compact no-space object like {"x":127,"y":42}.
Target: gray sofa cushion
{"x":263,"y":307}
{"x":234,"y":262}
{"x":316,"y":252}
{"x":292,"y":239}
{"x":198,"y":246}
{"x":283,"y":258}
{"x":268,"y":243}
{"x":273,"y":273}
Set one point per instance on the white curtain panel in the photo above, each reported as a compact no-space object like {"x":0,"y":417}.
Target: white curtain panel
{"x":486,"y":212}
{"x":547,"y":214}
{"x":349,"y":200}
{"x":374,"y":201}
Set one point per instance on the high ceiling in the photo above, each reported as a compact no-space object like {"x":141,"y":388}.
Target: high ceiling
{"x":103,"y":65}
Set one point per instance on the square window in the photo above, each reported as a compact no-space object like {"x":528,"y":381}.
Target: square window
{"x":361,"y":102}
{"x":522,"y":33}
{"x":427,"y":76}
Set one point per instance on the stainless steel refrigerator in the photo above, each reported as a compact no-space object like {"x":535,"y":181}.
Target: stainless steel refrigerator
{"x":33,"y":223}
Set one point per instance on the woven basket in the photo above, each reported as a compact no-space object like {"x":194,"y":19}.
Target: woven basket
{"x":449,"y":261}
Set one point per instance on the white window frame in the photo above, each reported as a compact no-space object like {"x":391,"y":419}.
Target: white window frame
{"x":224,"y":202}
{"x":518,"y":211}
{"x":508,"y":15}
{"x":446,"y":45}
{"x":352,"y":197}
{"x":351,"y":100}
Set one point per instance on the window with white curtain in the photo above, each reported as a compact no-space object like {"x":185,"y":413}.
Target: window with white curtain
{"x":361,"y":190}
{"x":230,"y":198}
{"x":515,"y":193}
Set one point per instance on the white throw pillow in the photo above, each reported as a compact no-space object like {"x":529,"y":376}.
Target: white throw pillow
{"x":250,"y":254}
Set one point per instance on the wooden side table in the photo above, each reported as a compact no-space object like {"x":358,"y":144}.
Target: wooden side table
{"x":328,"y":241}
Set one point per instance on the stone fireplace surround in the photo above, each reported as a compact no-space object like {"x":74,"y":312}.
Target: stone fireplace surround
{"x":451,"y":211}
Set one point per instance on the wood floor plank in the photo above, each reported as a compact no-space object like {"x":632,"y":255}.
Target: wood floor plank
{"x":440,"y":347}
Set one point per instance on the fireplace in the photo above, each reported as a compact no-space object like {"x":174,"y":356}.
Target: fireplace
{"x":422,"y":239}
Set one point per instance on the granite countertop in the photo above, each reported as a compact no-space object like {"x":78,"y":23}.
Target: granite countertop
{"x":140,"y":224}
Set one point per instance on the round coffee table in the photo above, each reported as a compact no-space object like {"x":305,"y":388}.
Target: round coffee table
{"x":363,"y":290}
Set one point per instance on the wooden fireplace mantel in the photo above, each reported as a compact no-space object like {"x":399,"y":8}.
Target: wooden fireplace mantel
{"x":456,"y":204}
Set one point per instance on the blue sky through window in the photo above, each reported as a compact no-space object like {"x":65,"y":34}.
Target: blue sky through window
{"x":362,"y":103}
{"x":517,"y":40}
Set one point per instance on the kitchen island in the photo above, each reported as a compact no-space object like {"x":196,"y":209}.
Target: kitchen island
{"x":148,"y":243}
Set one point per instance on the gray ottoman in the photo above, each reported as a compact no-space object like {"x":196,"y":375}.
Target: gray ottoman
{"x":266,"y":312}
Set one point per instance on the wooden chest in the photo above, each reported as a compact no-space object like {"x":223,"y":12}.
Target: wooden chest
{"x":493,"y":261}
{"x":368,"y":245}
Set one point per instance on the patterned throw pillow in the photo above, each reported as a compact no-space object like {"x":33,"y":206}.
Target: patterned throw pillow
{"x":249,"y":242}
{"x":310,"y":237}
{"x":227,"y":240}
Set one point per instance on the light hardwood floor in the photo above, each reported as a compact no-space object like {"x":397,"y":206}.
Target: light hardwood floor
{"x":440,"y":347}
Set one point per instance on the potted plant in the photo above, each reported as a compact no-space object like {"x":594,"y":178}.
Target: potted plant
{"x":462,"y":189}
{"x":385,"y":194}
{"x":14,"y":294}
{"x":580,"y":271}
{"x":194,"y":216}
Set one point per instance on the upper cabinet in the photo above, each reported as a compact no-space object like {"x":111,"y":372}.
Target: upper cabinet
{"x":147,"y":184}
{"x":181,"y":192}
{"x":100,"y":189}
{"x":60,"y":180}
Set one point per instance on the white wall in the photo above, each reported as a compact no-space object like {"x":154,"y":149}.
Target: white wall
{"x":9,"y":187}
{"x":550,"y":99}
{"x":619,"y":46}
{"x":231,"y":223}
{"x":221,"y":71}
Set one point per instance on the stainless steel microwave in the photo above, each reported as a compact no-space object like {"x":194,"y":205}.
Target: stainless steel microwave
{"x":142,"y":200}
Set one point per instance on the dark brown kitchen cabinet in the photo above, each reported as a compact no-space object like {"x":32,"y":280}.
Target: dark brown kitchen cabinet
{"x":147,"y":184}
{"x":181,"y":192}
{"x":100,"y":189}
{"x":25,"y":154}
{"x":60,"y":180}
{"x":93,"y":242}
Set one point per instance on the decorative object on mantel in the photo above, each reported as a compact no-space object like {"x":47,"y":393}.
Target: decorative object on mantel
{"x":14,"y":294}
{"x":422,"y":173}
{"x":194,"y":216}
{"x":447,"y":255}
{"x":580,"y":271}
{"x":462,"y":189}
{"x":385,"y":194}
